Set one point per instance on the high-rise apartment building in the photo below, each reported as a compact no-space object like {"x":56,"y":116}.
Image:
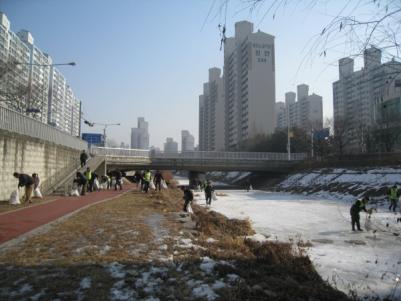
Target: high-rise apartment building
{"x":249,"y":82}
{"x":31,"y":86}
{"x":39,"y":78}
{"x":305,"y":113}
{"x":14,"y":78}
{"x":72,"y":112}
{"x":211,"y":113}
{"x":140,"y":135}
{"x":58,"y":102}
{"x":187,"y":141}
{"x":358,"y":94}
{"x":170,"y":146}
{"x":281,"y":115}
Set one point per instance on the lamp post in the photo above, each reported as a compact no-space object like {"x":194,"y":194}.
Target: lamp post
{"x":105,"y":125}
{"x":287,"y":116}
{"x":312,"y":153}
{"x":46,"y":65}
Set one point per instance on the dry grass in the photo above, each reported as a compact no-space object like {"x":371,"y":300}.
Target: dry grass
{"x":217,"y":225}
{"x":104,"y":232}
{"x":131,"y":229}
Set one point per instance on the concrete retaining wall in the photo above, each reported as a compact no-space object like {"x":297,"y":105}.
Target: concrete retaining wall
{"x":20,"y":153}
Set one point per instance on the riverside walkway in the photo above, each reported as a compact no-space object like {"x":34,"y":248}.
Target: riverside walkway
{"x":14,"y":224}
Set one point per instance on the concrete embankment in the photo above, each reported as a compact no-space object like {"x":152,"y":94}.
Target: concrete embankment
{"x":24,"y":154}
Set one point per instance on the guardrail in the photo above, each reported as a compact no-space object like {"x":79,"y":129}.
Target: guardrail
{"x":119,"y":152}
{"x":202,"y":155}
{"x":18,"y":123}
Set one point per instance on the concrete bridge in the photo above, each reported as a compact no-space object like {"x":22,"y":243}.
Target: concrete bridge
{"x":196,"y":161}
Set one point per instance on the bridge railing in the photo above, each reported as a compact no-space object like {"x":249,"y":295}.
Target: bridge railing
{"x":230,"y":156}
{"x":119,"y":152}
{"x":18,"y":123}
{"x":200,"y":155}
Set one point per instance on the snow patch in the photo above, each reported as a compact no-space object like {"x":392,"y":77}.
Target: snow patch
{"x":258,"y":237}
{"x":207,"y":264}
{"x":85,"y":283}
{"x":204,"y":291}
{"x":116,"y":270}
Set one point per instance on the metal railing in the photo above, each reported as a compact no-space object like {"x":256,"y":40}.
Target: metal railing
{"x":200,"y":155}
{"x":119,"y":152}
{"x":18,"y":123}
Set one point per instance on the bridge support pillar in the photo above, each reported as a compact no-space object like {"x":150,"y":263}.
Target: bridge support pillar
{"x":196,"y":177}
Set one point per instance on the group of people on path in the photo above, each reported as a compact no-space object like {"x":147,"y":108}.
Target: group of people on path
{"x":30,"y":183}
{"x":145,"y":180}
{"x":89,"y":181}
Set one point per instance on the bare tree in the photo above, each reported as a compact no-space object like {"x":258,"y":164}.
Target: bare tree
{"x":354,"y":27}
{"x":339,"y":140}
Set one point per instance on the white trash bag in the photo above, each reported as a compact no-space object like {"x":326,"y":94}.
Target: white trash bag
{"x":214,"y":197}
{"x":164,"y":185}
{"x":74,"y":192}
{"x":37,"y":193}
{"x":152,"y":185}
{"x":96,"y":185}
{"x":14,"y":198}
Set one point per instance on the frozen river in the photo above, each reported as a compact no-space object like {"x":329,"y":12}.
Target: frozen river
{"x":367,"y":262}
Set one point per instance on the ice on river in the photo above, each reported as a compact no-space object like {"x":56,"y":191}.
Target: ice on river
{"x":368,"y":262}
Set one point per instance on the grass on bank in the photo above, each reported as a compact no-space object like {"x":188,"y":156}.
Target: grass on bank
{"x":132,"y":230}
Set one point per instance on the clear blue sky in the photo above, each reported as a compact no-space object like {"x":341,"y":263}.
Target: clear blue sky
{"x":150,"y":58}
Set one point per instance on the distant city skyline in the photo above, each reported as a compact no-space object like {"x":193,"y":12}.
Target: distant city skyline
{"x":149,"y":58}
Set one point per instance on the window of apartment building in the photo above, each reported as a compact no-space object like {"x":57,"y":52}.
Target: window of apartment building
{"x":257,"y":52}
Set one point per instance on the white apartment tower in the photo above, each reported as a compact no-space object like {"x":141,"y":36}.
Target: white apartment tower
{"x":39,"y":77}
{"x":140,"y":135}
{"x":59,"y":106}
{"x":281,"y":115}
{"x":211,"y":113}
{"x":170,"y":146}
{"x":305,"y":113}
{"x":31,"y":86}
{"x":357,"y":94}
{"x":249,"y":81}
{"x":16,"y":80}
{"x":187,"y":141}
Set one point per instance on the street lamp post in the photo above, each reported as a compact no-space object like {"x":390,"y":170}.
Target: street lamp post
{"x":312,"y":153}
{"x":287,"y":114}
{"x":46,"y":65}
{"x":105,"y":125}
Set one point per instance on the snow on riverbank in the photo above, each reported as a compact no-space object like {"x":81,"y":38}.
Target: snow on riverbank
{"x":352,"y":180}
{"x":368,"y":262}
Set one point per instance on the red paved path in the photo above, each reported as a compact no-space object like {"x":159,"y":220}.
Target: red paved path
{"x":15,"y":223}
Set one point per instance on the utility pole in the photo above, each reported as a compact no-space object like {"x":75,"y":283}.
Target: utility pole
{"x":91,"y":124}
{"x":311,"y":138}
{"x":288,"y":132}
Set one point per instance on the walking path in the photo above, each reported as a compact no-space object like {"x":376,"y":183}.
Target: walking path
{"x":21,"y":221}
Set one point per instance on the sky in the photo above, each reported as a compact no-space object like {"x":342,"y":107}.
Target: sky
{"x":150,"y":58}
